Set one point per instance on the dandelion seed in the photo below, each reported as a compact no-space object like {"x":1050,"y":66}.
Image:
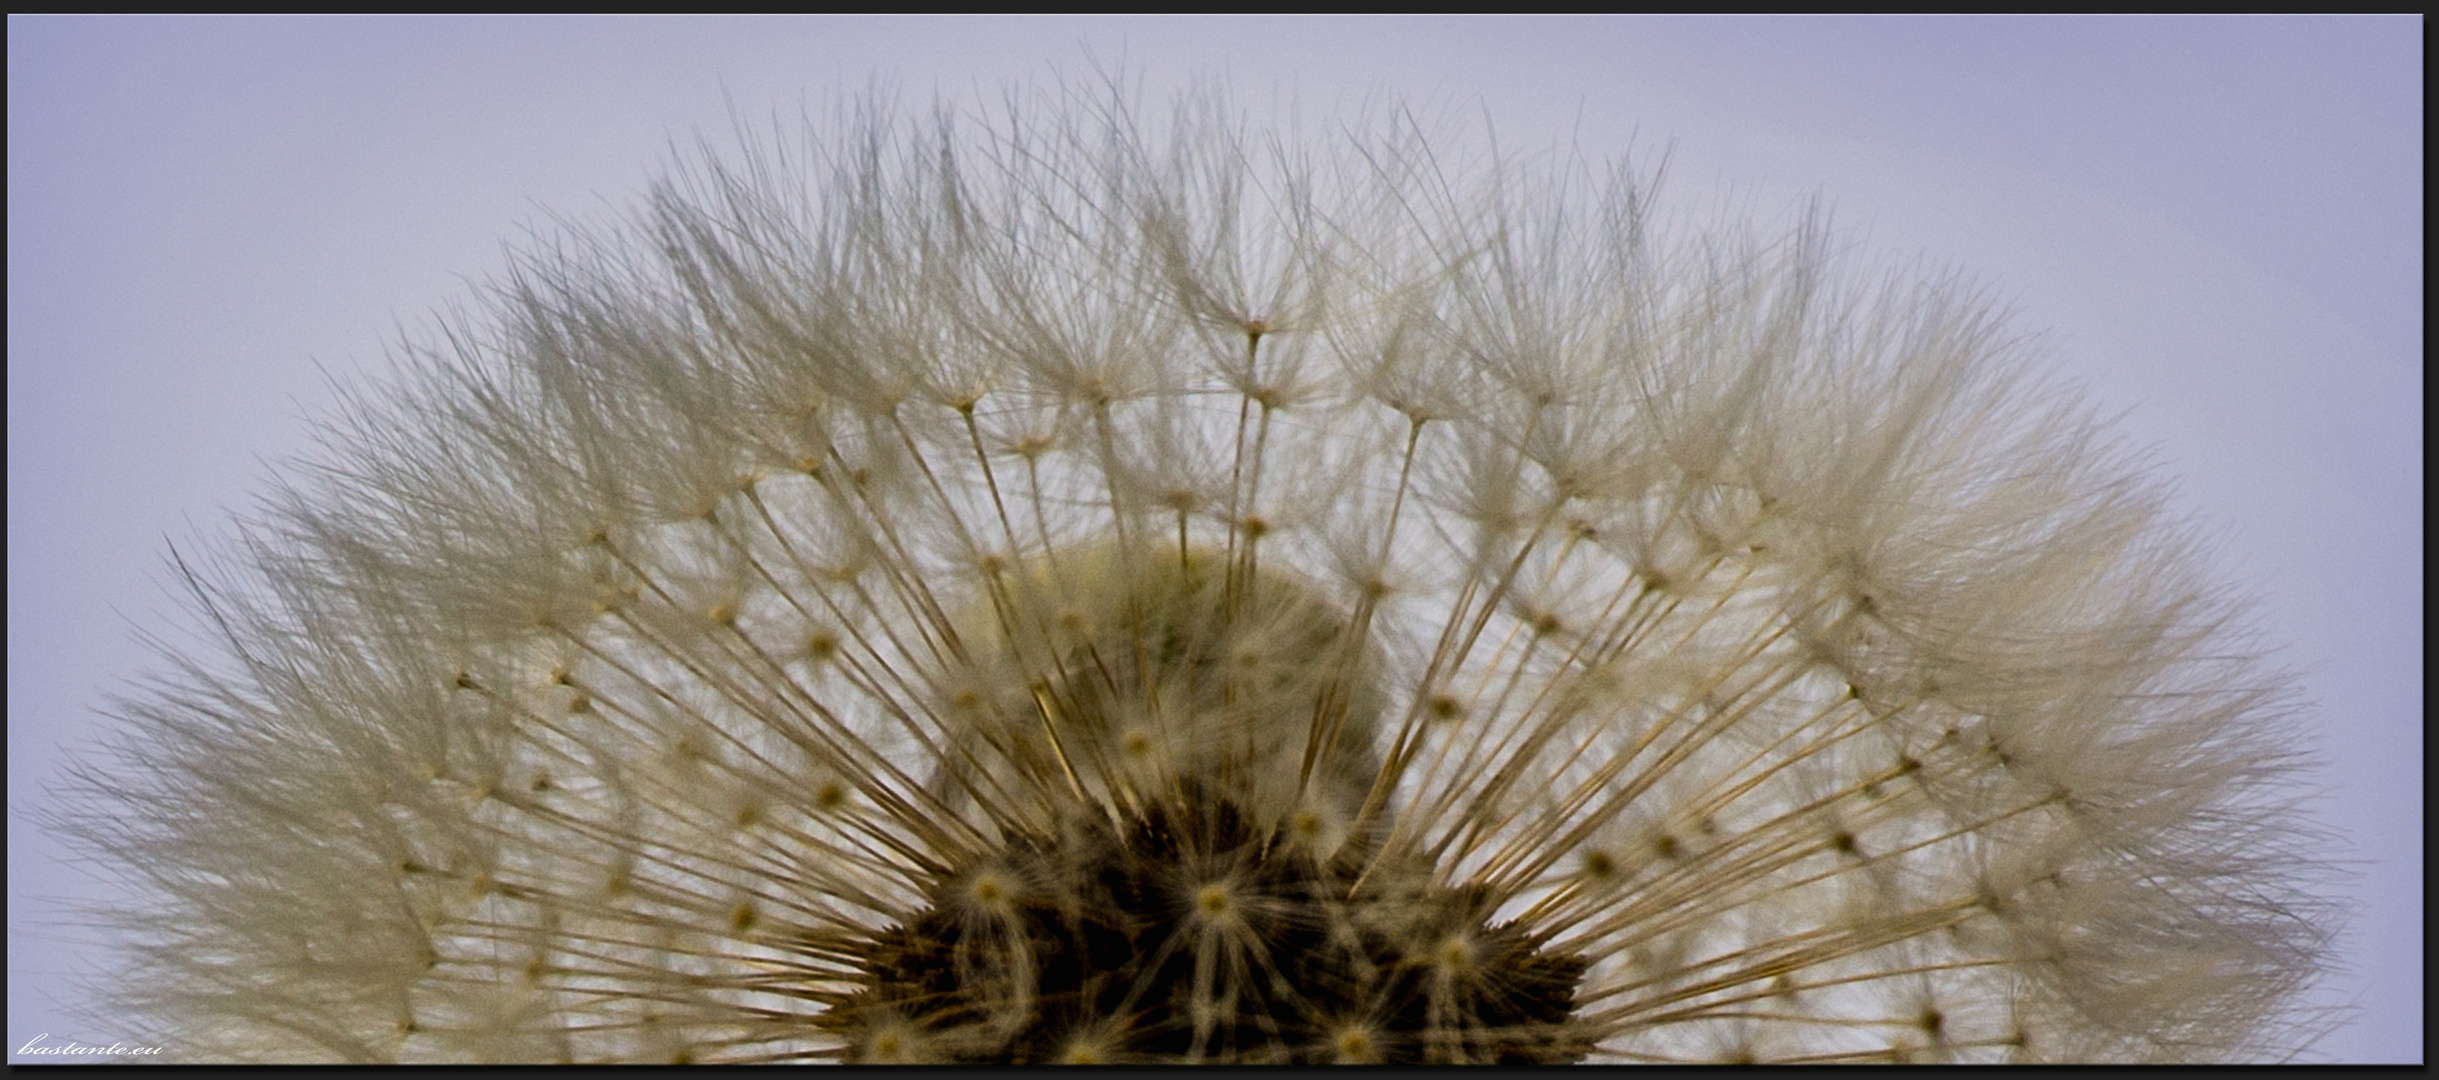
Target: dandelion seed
{"x":1076,"y":588}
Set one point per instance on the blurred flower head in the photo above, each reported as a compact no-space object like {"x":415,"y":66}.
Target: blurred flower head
{"x":1081,"y":584}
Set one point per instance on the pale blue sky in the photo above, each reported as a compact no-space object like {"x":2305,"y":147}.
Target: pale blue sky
{"x":2216,"y":223}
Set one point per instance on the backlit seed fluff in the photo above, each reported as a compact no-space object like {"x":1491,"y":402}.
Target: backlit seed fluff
{"x":1079,"y":584}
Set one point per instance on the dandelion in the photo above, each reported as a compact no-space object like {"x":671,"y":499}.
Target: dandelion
{"x":1073,"y":586}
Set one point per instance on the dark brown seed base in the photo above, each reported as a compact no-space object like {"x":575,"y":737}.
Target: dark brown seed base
{"x":1095,"y":945}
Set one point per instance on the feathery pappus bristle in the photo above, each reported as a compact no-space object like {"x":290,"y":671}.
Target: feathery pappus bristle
{"x":1075,"y":586}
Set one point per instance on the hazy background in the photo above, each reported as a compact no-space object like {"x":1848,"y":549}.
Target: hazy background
{"x":2218,"y":223}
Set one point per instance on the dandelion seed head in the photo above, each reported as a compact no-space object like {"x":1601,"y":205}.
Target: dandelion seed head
{"x":1081,"y":586}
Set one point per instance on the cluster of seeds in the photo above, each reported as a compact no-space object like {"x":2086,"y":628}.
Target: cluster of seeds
{"x":1086,"y":947}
